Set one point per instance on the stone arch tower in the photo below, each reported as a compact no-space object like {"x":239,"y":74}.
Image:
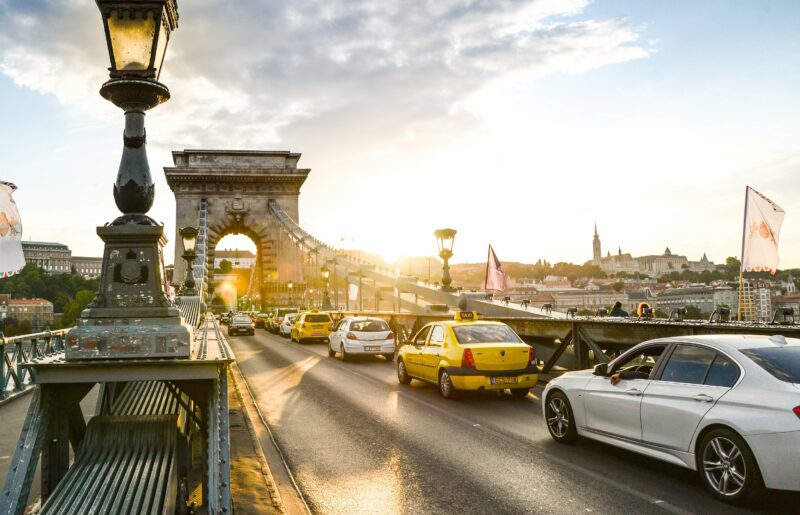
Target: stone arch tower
{"x":237,"y":185}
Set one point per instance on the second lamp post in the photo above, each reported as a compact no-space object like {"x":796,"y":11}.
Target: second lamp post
{"x":445,"y":239}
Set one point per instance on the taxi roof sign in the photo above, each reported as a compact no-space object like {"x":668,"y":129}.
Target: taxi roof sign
{"x":466,"y":316}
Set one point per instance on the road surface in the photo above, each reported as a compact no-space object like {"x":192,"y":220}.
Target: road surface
{"x":357,"y":441}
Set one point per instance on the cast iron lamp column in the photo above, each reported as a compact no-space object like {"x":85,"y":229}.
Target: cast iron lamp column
{"x":131,"y":316}
{"x":189,"y":237}
{"x":290,"y":286}
{"x":445,"y":239}
{"x":326,"y":299}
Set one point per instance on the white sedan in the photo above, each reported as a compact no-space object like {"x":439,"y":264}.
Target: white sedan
{"x":361,"y":335}
{"x":285,"y":327}
{"x":727,"y":406}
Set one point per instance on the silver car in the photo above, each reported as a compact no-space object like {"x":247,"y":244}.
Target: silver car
{"x":727,"y":406}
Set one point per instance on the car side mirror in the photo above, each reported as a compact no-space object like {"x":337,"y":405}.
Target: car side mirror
{"x":601,"y":369}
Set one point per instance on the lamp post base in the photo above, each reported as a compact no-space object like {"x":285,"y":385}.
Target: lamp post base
{"x":131,"y":316}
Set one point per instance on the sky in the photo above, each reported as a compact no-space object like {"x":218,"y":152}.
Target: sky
{"x":520,"y":123}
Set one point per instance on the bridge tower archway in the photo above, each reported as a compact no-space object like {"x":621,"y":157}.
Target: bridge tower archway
{"x":236,"y":186}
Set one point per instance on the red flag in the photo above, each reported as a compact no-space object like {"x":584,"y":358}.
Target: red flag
{"x":495,"y":277}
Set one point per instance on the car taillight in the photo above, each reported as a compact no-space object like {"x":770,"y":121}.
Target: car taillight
{"x":467,"y":361}
{"x":351,"y":336}
{"x":531,"y":357}
{"x":390,"y":336}
{"x":797,"y":411}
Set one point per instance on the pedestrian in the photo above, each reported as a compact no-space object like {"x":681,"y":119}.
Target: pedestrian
{"x":617,"y":310}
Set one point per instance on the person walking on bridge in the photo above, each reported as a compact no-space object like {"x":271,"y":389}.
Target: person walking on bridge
{"x":617,"y":310}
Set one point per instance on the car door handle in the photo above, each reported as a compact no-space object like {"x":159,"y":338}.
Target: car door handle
{"x":634,"y":391}
{"x":701,"y":397}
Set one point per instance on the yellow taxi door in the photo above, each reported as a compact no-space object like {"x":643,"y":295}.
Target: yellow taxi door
{"x":413,"y":355}
{"x":431,"y":353}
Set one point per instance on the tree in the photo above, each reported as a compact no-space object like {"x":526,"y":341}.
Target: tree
{"x":225,"y":266}
{"x":732,"y":265}
{"x":694,"y":313}
{"x":73,"y":308}
{"x":618,"y":286}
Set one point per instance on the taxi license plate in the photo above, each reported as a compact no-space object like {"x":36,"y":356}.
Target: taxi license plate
{"x":372,"y":349}
{"x":504,"y":380}
{"x":317,"y":334}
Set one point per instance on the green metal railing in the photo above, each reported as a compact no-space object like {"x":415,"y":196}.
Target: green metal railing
{"x":19,"y":349}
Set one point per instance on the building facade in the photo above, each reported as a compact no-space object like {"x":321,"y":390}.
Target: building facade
{"x":652,"y":265}
{"x":54,"y":258}
{"x":237,"y":258}
{"x":39,"y":312}
{"x":587,"y":300}
{"x":88,"y":267}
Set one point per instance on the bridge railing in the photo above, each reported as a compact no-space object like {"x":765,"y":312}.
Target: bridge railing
{"x":19,"y":349}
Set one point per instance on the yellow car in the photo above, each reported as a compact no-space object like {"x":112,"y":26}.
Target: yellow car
{"x":468,"y":354}
{"x":311,"y":326}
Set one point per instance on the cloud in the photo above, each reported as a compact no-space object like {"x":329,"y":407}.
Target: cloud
{"x":244,"y":73}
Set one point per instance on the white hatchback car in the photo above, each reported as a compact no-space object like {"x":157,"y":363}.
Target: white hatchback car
{"x":361,"y":335}
{"x":285,"y":327}
{"x":727,"y":406}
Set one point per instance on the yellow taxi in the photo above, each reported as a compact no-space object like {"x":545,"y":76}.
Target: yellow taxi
{"x":311,"y":325}
{"x":469,"y":354}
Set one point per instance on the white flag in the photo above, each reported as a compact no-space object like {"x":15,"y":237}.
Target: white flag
{"x":762,"y":226}
{"x":495,"y":277}
{"x":12,"y":259}
{"x":353,"y":292}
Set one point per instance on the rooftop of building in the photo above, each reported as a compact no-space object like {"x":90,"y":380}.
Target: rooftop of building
{"x":27,"y":302}
{"x":43,"y":244}
{"x":228,"y":253}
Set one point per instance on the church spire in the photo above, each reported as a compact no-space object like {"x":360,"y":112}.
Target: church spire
{"x":596,"y":252}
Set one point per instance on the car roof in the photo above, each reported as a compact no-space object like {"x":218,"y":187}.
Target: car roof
{"x":454,"y":323}
{"x":735,"y":341}
{"x":364,"y":319}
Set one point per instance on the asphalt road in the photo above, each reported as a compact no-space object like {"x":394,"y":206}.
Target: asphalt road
{"x":357,"y":441}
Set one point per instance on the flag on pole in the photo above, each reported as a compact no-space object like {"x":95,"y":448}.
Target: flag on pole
{"x":12,"y":260}
{"x":495,"y":277}
{"x":353,"y":292}
{"x":762,"y":225}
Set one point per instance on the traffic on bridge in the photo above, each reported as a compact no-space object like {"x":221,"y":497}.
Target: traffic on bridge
{"x":282,"y":368}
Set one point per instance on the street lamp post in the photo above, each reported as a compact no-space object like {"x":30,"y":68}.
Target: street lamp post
{"x":326,"y":299}
{"x":445,"y":239}
{"x":291,"y":287}
{"x":189,"y":237}
{"x":131,"y":316}
{"x":333,"y":265}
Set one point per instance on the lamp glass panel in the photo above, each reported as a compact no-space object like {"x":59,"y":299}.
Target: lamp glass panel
{"x":189,"y":243}
{"x":325,"y":274}
{"x":447,"y":242}
{"x":131,"y":40}
{"x":161,"y":47}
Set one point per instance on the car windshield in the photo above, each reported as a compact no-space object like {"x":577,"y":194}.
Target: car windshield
{"x":369,"y":326}
{"x":317,"y":318}
{"x":472,"y":334}
{"x":781,"y":362}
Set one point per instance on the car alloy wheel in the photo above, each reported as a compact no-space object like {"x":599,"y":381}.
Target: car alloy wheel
{"x":446,"y":385}
{"x":557,"y":417}
{"x":724,"y":466}
{"x":402,"y":373}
